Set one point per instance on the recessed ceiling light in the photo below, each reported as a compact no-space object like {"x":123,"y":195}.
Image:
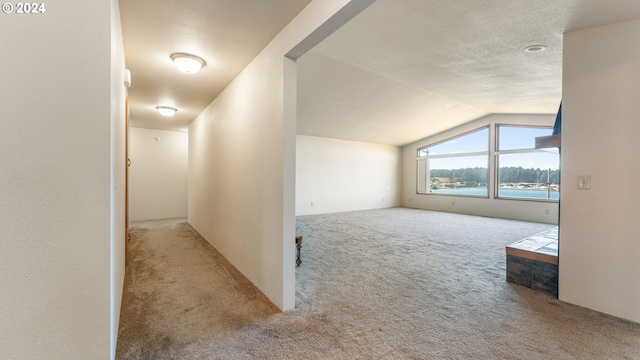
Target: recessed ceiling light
{"x":188,"y":63}
{"x":166,"y":110}
{"x":535,"y":48}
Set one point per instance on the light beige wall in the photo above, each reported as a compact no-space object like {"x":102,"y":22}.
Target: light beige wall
{"x":336,"y":175}
{"x":118,"y":168}
{"x":599,"y":241}
{"x":158,"y":173}
{"x":242,"y":157}
{"x":61,"y":240}
{"x":536,"y":211}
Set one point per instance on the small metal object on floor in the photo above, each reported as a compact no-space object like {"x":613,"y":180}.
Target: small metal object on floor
{"x":298,"y":246}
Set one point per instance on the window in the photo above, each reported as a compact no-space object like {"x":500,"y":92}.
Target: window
{"x":456,"y":166}
{"x":523,"y":171}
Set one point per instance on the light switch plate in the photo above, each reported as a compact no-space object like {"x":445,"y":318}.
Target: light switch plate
{"x":584,"y":182}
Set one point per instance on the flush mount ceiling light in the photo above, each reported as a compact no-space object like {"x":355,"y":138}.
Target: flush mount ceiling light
{"x":535,"y":48}
{"x":188,"y":63}
{"x":166,"y":110}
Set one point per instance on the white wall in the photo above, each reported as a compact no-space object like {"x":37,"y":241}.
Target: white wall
{"x":158,"y":173}
{"x":337,"y":175}
{"x":242,"y":157}
{"x":118,"y":176}
{"x":599,"y":241}
{"x":61,"y":239}
{"x":536,"y":211}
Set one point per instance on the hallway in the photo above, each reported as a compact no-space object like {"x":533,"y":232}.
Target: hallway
{"x":181,"y":296}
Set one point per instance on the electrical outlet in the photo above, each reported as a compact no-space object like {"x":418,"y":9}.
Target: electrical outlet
{"x":584,"y":182}
{"x":453,"y":203}
{"x":547,"y":211}
{"x":311,"y":204}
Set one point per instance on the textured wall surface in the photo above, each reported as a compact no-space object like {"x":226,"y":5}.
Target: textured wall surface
{"x":58,"y":182}
{"x":158,"y":174}
{"x":337,"y":175}
{"x":118,"y":174}
{"x":242,"y":157}
{"x":599,"y":247}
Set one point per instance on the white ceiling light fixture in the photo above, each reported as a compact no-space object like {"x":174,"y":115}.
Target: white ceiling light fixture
{"x":166,"y":110}
{"x":535,"y":48}
{"x":187,"y":63}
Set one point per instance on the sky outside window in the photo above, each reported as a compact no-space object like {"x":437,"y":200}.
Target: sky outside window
{"x":523,"y":138}
{"x":473,"y":142}
{"x":519,"y":137}
{"x":510,"y":138}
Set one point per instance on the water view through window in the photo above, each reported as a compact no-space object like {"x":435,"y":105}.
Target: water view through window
{"x":457,"y":166}
{"x":523,"y":171}
{"x":460,"y":165}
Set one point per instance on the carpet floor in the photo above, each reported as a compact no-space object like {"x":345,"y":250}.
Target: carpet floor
{"x":379,"y":284}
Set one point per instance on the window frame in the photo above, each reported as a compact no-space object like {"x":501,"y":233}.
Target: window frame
{"x":486,"y":153}
{"x":497,"y":152}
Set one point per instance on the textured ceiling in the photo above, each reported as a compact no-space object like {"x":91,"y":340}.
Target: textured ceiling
{"x":406,"y":69}
{"x":398,"y":72}
{"x":228,"y":34}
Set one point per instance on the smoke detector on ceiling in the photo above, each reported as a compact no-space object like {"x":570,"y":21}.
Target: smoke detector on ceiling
{"x":535,"y":48}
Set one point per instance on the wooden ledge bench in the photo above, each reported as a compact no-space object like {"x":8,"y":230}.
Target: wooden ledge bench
{"x":533,"y":262}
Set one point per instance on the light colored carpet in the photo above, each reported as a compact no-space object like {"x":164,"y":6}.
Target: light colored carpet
{"x":380,"y":284}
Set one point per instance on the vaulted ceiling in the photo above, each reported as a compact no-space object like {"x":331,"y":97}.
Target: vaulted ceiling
{"x":400,"y":71}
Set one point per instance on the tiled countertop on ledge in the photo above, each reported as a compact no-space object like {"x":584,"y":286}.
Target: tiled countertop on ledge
{"x":533,"y":262}
{"x":540,"y":247}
